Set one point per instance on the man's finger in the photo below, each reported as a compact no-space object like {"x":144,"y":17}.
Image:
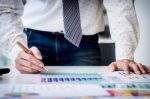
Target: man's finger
{"x":26,"y":72}
{"x":31,"y":58}
{"x":35,"y":67}
{"x":147,"y":69}
{"x":126,"y":68}
{"x":142,"y":68}
{"x":135,"y":68}
{"x":35,"y":71}
{"x":24,"y":68}
{"x":36,"y":52}
{"x":30,"y":65}
{"x":23,"y":55}
{"x":113,"y":67}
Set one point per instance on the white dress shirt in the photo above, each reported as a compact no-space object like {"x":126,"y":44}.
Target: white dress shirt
{"x":47,"y":15}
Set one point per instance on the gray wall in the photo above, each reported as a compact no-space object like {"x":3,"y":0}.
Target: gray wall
{"x":142,"y":53}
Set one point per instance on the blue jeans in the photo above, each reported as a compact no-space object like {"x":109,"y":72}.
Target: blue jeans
{"x":57,"y":51}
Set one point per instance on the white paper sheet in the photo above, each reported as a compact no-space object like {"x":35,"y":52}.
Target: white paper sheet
{"x":145,"y":78}
{"x":53,"y":90}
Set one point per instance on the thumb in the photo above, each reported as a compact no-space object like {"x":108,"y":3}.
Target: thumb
{"x":113,"y":67}
{"x":36,"y":52}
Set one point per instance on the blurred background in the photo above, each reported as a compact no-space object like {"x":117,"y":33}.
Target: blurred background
{"x":108,"y":50}
{"x":142,"y":53}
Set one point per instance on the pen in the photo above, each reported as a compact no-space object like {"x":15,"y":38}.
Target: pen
{"x":27,"y":50}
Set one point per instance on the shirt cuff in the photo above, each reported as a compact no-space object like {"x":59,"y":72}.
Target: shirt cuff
{"x":124,"y":52}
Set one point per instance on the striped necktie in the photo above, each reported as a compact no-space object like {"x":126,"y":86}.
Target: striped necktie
{"x":72,"y":24}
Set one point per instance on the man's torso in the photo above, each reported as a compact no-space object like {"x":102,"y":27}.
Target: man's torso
{"x":47,"y":15}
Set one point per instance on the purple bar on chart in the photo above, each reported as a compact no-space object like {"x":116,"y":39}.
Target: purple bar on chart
{"x":43,"y":80}
{"x":66,"y":79}
{"x":55,"y":80}
{"x":61,"y":79}
{"x":49,"y":79}
{"x":72,"y":79}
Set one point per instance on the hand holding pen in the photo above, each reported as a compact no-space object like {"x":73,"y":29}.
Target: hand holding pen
{"x":29,"y":60}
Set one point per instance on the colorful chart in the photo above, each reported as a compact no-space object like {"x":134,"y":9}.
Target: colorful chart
{"x":74,"y":78}
{"x":64,"y":83}
{"x":128,"y":93}
{"x":128,"y":89}
{"x":128,"y":86}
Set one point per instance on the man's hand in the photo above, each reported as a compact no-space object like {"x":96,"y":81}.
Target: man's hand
{"x":26,"y":63}
{"x":129,"y":65}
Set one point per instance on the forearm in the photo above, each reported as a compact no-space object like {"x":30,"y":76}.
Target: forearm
{"x":11,"y":27}
{"x":124,"y":27}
